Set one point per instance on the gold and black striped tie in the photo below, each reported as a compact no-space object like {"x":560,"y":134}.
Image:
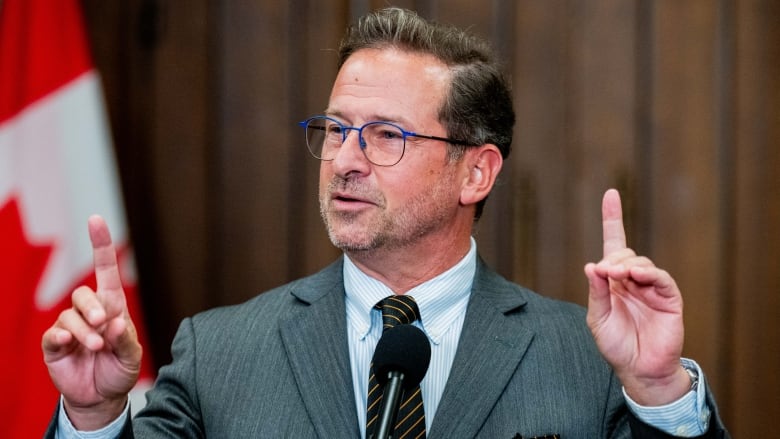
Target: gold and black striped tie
{"x":410,"y":422}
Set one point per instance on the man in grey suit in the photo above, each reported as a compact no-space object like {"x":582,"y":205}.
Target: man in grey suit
{"x":417,"y":126}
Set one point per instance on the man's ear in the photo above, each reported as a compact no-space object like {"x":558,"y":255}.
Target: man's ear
{"x":483,"y":165}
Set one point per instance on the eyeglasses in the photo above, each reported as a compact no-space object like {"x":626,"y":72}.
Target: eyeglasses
{"x":383,"y":143}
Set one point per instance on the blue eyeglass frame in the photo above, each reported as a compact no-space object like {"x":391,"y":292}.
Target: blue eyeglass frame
{"x":346,"y":129}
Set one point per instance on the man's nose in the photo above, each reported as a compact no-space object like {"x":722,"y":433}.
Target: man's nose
{"x":350,"y":156}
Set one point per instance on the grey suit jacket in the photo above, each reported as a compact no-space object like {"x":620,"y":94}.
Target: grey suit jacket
{"x":277,"y":366}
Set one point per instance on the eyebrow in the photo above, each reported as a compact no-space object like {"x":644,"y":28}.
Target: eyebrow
{"x":372,"y":118}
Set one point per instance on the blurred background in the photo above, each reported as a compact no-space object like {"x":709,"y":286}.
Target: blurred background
{"x":673,"y":102}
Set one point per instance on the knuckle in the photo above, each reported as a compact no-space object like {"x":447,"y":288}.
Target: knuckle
{"x":66,"y":316}
{"x":81,"y":294}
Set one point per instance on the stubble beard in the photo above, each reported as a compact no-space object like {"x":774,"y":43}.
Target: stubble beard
{"x":379,"y":229}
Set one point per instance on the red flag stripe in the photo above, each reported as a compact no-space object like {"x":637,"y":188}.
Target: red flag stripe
{"x":40,"y":54}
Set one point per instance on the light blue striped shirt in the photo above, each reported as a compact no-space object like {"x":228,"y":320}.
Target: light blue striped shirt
{"x":442,"y":302}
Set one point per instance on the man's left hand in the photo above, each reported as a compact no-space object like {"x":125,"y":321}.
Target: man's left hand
{"x":635,"y":315}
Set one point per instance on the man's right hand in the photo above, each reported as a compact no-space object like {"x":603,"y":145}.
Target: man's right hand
{"x":92,"y":350}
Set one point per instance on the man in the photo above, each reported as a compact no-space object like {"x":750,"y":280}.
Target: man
{"x":417,"y":126}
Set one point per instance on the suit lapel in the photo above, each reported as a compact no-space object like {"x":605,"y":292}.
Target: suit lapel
{"x":315,"y":342}
{"x":492,"y":343}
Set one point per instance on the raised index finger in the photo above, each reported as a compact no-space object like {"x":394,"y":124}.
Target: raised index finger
{"x":612,"y":223}
{"x":109,"y":284}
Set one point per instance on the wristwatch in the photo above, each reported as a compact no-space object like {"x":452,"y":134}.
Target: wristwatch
{"x":693,"y":374}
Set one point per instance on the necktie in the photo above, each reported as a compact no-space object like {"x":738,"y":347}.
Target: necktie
{"x":410,"y":422}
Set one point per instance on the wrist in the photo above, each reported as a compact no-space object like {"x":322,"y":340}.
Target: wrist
{"x":94,"y":417}
{"x":660,"y":391}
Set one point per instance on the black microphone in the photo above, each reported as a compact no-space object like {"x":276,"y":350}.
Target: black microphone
{"x":401,"y":360}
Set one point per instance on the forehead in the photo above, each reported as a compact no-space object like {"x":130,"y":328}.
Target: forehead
{"x":389,"y":84}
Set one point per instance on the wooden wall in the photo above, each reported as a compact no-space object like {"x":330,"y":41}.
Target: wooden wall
{"x":673,"y":102}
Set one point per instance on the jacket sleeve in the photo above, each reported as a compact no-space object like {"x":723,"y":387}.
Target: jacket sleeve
{"x":640,"y":430}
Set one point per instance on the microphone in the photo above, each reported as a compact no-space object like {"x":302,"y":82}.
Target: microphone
{"x":401,"y":360}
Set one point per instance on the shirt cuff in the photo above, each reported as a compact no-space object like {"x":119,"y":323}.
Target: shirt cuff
{"x":688,"y":416}
{"x":66,"y":430}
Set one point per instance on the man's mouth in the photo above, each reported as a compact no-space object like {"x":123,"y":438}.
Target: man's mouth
{"x":347,"y":197}
{"x":351,"y":195}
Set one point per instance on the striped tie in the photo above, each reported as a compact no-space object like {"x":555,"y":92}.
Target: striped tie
{"x":410,"y":422}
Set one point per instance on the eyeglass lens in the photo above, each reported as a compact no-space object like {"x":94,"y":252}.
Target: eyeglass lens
{"x":381,"y":142}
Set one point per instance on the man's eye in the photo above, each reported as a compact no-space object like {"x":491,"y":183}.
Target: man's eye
{"x":334,"y":129}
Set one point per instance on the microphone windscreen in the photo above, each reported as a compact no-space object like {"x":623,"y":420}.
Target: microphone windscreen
{"x":405,"y":349}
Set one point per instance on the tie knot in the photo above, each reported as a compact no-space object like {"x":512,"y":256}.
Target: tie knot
{"x":398,"y":310}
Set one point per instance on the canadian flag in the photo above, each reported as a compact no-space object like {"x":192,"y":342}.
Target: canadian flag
{"x":56,"y":169}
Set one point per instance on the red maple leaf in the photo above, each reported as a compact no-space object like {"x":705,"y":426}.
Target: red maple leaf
{"x":29,"y":397}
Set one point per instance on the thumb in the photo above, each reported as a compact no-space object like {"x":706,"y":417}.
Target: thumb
{"x":121,"y":336}
{"x":599,"y":303}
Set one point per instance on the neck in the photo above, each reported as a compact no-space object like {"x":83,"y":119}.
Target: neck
{"x":403,"y":268}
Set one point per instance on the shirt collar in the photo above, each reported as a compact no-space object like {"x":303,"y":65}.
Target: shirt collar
{"x":441,"y":300}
